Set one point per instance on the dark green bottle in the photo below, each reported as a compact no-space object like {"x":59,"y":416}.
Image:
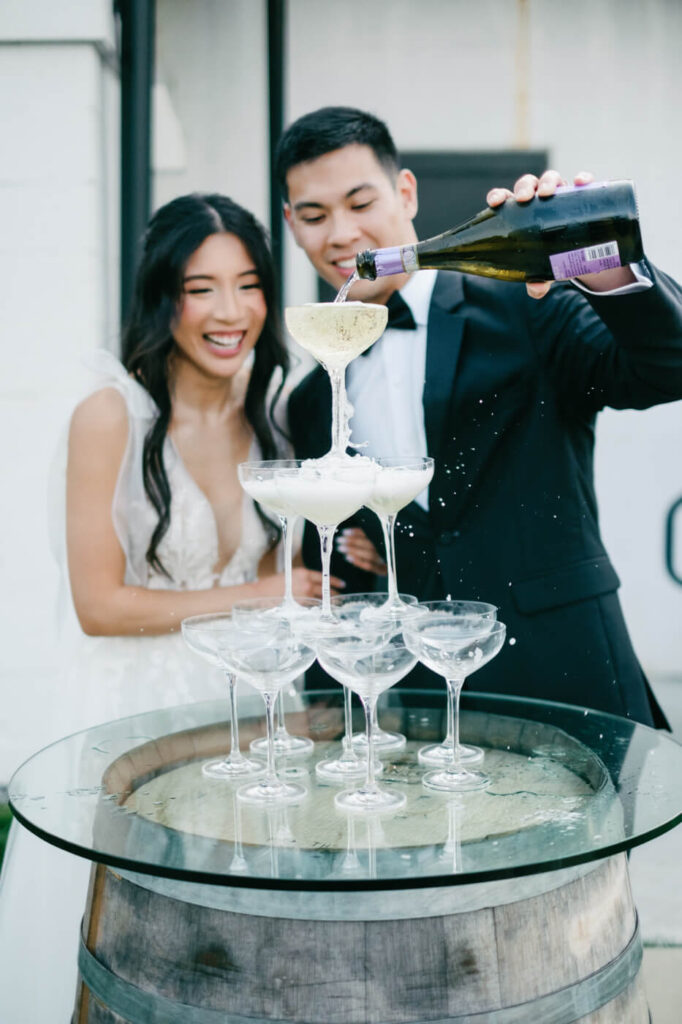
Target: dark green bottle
{"x":581,"y":229}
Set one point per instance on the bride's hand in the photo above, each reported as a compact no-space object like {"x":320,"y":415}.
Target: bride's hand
{"x":305,"y":583}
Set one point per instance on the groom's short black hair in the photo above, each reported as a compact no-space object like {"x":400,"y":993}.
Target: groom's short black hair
{"x":329,"y":128}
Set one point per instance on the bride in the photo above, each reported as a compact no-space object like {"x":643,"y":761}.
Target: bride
{"x":156,"y":528}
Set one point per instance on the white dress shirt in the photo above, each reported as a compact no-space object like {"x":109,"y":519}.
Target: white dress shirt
{"x":386,"y":386}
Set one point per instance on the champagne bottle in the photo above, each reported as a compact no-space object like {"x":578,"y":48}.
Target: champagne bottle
{"x":581,"y":229}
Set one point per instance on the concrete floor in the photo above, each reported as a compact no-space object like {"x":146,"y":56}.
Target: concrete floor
{"x":656,"y":877}
{"x":662,"y":968}
{"x":656,"y":867}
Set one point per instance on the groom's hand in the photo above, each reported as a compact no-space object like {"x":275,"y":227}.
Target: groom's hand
{"x":356,"y":547}
{"x":527,"y":186}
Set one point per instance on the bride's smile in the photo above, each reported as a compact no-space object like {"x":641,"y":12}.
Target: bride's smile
{"x":222,"y":308}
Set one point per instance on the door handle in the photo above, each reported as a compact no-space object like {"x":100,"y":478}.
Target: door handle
{"x":670,"y":541}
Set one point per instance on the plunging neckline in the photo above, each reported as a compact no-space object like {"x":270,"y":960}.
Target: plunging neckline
{"x":253,"y":454}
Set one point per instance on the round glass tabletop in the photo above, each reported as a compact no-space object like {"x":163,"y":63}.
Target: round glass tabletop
{"x":567,"y":786}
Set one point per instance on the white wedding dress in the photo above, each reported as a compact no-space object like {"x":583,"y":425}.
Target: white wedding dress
{"x":42,"y":889}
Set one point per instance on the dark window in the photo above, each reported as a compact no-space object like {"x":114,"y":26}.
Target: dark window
{"x":453,"y":186}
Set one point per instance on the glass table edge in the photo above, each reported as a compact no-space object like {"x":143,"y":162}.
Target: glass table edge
{"x":470,"y":697}
{"x":346,"y":885}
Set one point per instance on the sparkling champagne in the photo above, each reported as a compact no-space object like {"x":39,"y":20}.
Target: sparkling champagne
{"x":334,"y":333}
{"x":579,"y":230}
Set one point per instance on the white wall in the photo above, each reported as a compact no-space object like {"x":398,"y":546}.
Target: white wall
{"x":599,"y":86}
{"x":58,"y":269}
{"x":211,"y":65}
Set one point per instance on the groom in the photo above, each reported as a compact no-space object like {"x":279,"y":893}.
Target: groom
{"x":503,"y":392}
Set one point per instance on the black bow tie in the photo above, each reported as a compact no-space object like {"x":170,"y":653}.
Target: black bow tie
{"x":399,"y":314}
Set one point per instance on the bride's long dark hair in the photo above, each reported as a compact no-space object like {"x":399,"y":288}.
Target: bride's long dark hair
{"x":175,"y":232}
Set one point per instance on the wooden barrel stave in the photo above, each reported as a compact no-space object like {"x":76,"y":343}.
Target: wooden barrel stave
{"x":537,"y":954}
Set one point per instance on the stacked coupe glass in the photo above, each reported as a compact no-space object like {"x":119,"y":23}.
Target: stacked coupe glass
{"x":366,"y":642}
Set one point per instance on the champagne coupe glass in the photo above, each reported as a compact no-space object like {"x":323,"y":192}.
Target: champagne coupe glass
{"x":364,"y":637}
{"x":268,"y":661}
{"x":368,"y":675}
{"x":474,"y":617}
{"x":208,"y":636}
{"x":257,"y":610}
{"x":327,"y":492}
{"x":397,"y":483}
{"x":367,"y":610}
{"x":334,"y":333}
{"x":442,"y":644}
{"x":259,"y":480}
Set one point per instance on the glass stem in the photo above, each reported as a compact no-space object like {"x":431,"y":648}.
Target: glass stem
{"x":372,"y":849}
{"x":281,"y":729}
{"x":455,"y":687}
{"x":287,"y":537}
{"x":388,"y":527}
{"x":238,"y":862}
{"x":348,"y":752}
{"x":234,"y":729}
{"x":451,"y":685}
{"x":270,"y":772}
{"x":351,"y":862}
{"x":451,"y":849}
{"x":339,"y":443}
{"x":369,"y":704}
{"x":449,"y":741}
{"x":326,"y":536}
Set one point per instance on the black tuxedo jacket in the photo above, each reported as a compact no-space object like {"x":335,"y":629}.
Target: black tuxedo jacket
{"x":512,"y":389}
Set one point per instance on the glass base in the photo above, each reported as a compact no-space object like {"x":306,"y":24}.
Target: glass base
{"x":285,"y":745}
{"x":456,"y":780}
{"x":369,"y":801}
{"x":341,"y":771}
{"x":269,"y":793}
{"x":396,"y":610}
{"x":300,"y":614}
{"x":291,"y":771}
{"x":327,"y":626}
{"x":438,"y":755}
{"x":228,"y":768}
{"x":381,"y":740}
{"x":351,"y":867}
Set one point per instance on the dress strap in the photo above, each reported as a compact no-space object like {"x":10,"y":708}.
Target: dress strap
{"x":109,"y":371}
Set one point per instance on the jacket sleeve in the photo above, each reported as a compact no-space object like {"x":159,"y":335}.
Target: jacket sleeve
{"x":308,"y":414}
{"x":623,"y":351}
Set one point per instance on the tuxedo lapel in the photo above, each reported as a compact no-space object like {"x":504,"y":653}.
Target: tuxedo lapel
{"x":444,"y":338}
{"x":310,"y":415}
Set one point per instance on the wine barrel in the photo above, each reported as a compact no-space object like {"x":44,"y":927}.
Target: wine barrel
{"x":552,"y":948}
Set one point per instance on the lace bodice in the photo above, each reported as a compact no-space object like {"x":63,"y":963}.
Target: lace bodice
{"x":189,"y":549}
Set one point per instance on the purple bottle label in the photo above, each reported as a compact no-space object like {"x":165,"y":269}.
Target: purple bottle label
{"x":389,"y":261}
{"x":591,"y":260}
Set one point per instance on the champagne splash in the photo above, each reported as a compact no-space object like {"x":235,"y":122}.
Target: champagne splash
{"x":343,"y":291}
